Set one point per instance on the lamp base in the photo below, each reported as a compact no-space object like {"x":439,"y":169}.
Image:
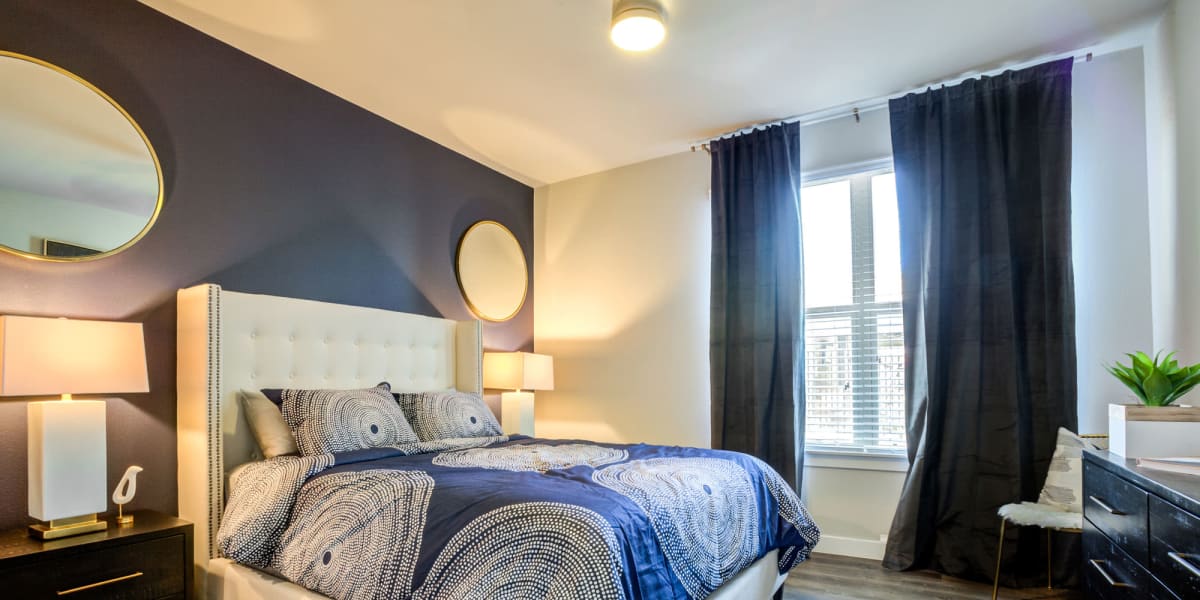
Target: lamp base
{"x":516,"y":412}
{"x":61,"y":528}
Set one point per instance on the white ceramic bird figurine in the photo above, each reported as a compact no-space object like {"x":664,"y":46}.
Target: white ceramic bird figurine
{"x":126,"y":488}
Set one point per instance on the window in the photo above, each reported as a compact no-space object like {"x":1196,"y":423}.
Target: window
{"x":854,"y":340}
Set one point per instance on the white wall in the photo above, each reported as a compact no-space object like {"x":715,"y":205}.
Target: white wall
{"x":853,"y":501}
{"x":1162,"y":183}
{"x":1110,"y":227}
{"x":622,"y":296}
{"x":1184,"y":20}
{"x":1172,"y":60}
{"x":844,"y":141}
{"x":622,"y":263}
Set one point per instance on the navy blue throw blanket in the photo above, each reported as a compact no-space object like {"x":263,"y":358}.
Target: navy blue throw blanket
{"x":514,"y":518}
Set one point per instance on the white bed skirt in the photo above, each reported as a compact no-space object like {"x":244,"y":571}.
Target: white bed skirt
{"x":759,"y":580}
{"x":228,"y":580}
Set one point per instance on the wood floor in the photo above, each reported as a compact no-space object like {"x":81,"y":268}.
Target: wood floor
{"x":828,"y":577}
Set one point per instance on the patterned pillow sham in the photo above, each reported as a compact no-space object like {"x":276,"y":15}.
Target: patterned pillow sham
{"x":448,"y":414}
{"x":325,"y":421}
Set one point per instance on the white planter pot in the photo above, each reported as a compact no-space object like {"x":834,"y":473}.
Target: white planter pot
{"x":1137,"y":431}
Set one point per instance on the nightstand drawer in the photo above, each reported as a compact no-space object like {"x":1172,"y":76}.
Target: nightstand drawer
{"x":1117,"y":508}
{"x":148,"y":569}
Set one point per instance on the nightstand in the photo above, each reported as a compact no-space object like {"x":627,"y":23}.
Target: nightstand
{"x":152,"y":558}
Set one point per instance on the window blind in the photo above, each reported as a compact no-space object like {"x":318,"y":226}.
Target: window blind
{"x":854,"y":346}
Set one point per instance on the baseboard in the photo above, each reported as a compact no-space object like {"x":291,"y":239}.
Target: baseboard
{"x":848,"y":546}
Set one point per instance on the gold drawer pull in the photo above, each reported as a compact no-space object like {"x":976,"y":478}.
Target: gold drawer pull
{"x":1182,"y":559}
{"x":1099,"y":566}
{"x":100,"y":583}
{"x":1102,"y":504}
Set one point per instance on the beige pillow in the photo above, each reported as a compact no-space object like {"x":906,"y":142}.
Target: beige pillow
{"x":267,"y":425}
{"x":1064,"y":481}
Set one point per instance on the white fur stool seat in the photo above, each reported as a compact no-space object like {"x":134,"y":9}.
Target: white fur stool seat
{"x":1059,"y":506}
{"x":1041,"y":515}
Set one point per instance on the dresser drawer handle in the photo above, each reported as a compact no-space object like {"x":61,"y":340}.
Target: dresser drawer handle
{"x":1104,"y":505}
{"x":1099,"y":566}
{"x":1185,"y":562}
{"x":100,"y":583}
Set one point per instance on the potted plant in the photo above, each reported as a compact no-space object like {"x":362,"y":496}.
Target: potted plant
{"x":1158,"y":427}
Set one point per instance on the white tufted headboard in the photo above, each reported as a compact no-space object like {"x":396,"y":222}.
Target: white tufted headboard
{"x":228,"y":341}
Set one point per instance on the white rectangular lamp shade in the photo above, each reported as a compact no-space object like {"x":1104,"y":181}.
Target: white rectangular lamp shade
{"x":517,"y":371}
{"x":42,"y":356}
{"x":67,"y":459}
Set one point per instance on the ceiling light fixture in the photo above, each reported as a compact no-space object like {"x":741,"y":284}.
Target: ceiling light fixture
{"x":637,"y":25}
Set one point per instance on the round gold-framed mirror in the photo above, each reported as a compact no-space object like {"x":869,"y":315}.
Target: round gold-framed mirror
{"x":491,"y":270}
{"x":82,"y":181}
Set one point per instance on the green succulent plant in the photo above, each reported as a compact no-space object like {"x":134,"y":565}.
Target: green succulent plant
{"x":1156,"y":382}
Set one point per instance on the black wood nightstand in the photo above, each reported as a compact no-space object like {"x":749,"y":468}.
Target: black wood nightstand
{"x":152,"y":558}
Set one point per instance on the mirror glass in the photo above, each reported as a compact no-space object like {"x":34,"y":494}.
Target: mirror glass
{"x":78,"y":178}
{"x":491,"y":271}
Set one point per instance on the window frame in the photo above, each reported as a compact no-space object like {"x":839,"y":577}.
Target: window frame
{"x":861,"y":227}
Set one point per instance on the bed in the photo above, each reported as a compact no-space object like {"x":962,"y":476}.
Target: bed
{"x":230,"y":341}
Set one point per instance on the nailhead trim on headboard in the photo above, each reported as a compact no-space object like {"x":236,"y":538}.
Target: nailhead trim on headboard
{"x":216,"y":482}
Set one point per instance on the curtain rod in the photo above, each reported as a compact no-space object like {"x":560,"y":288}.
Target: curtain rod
{"x":855,"y":109}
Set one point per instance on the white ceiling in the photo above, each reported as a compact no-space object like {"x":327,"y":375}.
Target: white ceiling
{"x":534,"y":89}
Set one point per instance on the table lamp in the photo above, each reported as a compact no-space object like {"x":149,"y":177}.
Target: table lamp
{"x":67,"y":454}
{"x":517,"y":371}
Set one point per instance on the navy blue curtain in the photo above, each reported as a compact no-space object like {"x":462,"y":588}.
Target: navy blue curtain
{"x":983,"y":178}
{"x":757,"y":302}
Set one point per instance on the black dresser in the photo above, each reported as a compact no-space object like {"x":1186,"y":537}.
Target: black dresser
{"x":1141,"y":530}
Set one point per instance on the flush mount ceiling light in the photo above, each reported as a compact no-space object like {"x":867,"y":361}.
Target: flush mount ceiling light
{"x":637,"y":25}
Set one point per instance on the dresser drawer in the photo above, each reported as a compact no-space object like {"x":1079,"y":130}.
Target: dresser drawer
{"x":1117,"y":508}
{"x":149,"y":569}
{"x":1175,"y":548}
{"x":1160,"y":592}
{"x":1108,"y":572}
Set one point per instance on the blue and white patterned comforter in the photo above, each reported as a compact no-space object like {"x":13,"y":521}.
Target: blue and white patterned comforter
{"x":520,"y":518}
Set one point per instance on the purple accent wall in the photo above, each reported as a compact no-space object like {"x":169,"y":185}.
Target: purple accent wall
{"x":272,"y":186}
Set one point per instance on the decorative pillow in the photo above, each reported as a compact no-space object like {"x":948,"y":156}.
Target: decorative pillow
{"x":267,"y":425}
{"x":327,"y":421}
{"x":1064,"y":482}
{"x":448,"y":414}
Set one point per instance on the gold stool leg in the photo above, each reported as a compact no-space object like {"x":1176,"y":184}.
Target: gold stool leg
{"x":999,"y":554}
{"x":1049,"y":560}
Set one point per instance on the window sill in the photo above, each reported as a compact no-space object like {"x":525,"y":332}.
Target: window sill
{"x":828,"y":458}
